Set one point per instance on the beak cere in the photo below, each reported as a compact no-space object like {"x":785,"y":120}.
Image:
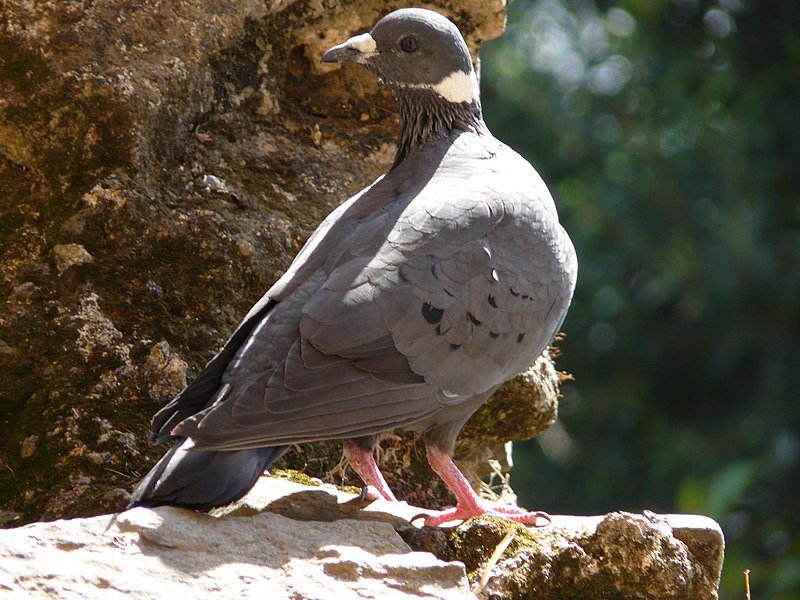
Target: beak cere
{"x":357,"y":49}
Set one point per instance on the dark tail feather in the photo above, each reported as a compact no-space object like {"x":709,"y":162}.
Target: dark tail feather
{"x":198,"y":394}
{"x":203,"y":479}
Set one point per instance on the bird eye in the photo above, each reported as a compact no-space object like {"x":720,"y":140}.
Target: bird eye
{"x":409,"y":44}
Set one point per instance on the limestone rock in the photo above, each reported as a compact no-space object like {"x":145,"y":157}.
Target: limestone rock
{"x":286,"y":539}
{"x":175,"y":553}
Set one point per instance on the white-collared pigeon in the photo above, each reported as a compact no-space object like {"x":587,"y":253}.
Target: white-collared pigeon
{"x":407,"y":308}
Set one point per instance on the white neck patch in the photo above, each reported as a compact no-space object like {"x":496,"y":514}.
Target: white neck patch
{"x":456,"y":87}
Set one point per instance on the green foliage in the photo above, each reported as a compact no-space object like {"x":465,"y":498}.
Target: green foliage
{"x":669,"y":133}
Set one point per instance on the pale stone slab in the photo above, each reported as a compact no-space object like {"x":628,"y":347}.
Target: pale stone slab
{"x":174,"y":553}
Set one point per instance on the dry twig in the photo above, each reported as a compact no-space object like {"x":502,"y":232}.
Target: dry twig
{"x":747,"y":584}
{"x":487,"y":570}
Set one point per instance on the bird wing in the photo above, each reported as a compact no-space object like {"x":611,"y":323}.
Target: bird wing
{"x":438,"y":298}
{"x":488,"y":281}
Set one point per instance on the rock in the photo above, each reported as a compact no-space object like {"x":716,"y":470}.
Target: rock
{"x":164,"y":371}
{"x":616,"y":556}
{"x":704,"y":538}
{"x":28,"y":446}
{"x":322,"y":502}
{"x":68,"y":255}
{"x":170,"y":552}
{"x":289,"y":540}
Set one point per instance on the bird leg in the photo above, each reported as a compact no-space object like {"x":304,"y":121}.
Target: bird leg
{"x":363,"y":463}
{"x":468,"y":503}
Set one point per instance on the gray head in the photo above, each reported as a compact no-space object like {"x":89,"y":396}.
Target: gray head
{"x":414,"y":48}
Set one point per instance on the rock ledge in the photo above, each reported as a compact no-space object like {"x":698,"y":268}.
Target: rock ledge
{"x":287,"y":540}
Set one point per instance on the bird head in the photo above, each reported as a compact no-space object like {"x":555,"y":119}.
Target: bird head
{"x":414,"y":48}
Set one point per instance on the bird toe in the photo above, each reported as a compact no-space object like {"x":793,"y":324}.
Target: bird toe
{"x":462,"y":512}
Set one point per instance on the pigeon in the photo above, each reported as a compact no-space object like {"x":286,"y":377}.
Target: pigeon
{"x":406,"y":309}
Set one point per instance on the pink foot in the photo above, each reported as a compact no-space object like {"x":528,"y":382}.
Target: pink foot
{"x":462,"y":512}
{"x":468,"y":503}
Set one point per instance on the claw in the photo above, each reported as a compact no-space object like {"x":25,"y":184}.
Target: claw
{"x":542,"y":515}
{"x":368,"y":494}
{"x":419,"y":516}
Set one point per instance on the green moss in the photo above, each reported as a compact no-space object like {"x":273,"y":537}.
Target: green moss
{"x":295,"y":476}
{"x":305,"y":479}
{"x":474,"y":541}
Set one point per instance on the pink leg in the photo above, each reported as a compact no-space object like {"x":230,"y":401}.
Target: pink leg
{"x":468,"y":503}
{"x":363,"y":463}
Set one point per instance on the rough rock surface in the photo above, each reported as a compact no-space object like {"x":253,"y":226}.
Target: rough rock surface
{"x":174,"y":553}
{"x":286,"y":540}
{"x":616,"y":556}
{"x":160,"y":165}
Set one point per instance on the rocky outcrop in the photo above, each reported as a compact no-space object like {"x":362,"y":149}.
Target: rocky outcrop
{"x":287,"y":540}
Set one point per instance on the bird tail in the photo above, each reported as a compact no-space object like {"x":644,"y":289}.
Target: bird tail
{"x":203,"y":479}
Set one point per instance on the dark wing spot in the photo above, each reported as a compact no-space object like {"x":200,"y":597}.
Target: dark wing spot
{"x":524,"y":296}
{"x":520,"y":337}
{"x":455,"y":346}
{"x":431,"y":314}
{"x":492,"y":302}
{"x":493,"y":334}
{"x":473,"y":319}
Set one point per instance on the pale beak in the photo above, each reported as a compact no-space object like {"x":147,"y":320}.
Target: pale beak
{"x":357,"y":49}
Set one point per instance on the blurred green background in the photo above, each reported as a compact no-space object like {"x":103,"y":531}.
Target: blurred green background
{"x":669,"y":133}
